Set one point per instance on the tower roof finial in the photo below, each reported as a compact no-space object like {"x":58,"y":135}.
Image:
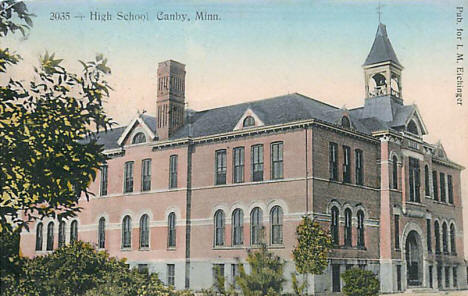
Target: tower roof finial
{"x":379,"y":11}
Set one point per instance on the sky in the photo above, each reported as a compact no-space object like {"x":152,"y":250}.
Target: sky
{"x":260,"y":49}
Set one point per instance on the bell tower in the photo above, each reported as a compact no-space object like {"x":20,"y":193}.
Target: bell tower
{"x":382,"y":70}
{"x":170,"y":101}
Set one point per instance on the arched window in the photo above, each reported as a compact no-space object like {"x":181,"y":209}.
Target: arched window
{"x":171,"y":233}
{"x":348,"y":232}
{"x":453,"y":248}
{"x":102,"y":233}
{"x":249,"y":121}
{"x":276,"y":215}
{"x":256,"y":218}
{"x":345,"y":122}
{"x":237,"y":227}
{"x":334,"y":230}
{"x":39,"y":237}
{"x":127,"y":232}
{"x":144,"y":232}
{"x":426,"y":181}
{"x":74,"y":231}
{"x":50,"y":236}
{"x":437,"y":236}
{"x":61,"y":234}
{"x":395,"y":172}
{"x":219,"y":228}
{"x":139,"y":138}
{"x":360,"y":229}
{"x":412,"y":128}
{"x":445,"y":237}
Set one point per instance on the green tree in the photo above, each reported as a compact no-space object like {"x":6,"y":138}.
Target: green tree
{"x":266,"y":273}
{"x":78,"y":269}
{"x":312,"y":250}
{"x":48,"y":150}
{"x":359,"y":282}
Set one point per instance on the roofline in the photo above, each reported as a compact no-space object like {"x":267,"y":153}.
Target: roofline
{"x":262,"y":129}
{"x":384,"y":63}
{"x":270,"y":98}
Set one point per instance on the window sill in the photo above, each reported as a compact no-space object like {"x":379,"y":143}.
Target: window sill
{"x":171,"y":248}
{"x":415,"y":203}
{"x":144,"y":249}
{"x":126,"y":249}
{"x":276,"y":246}
{"x":236,"y":247}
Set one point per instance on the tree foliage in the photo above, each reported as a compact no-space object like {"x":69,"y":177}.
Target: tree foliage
{"x":78,"y":269}
{"x":266,"y":273}
{"x":359,"y":282}
{"x":313,"y":247}
{"x":48,"y":151}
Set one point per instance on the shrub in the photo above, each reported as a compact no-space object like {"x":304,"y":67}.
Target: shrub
{"x":359,"y":282}
{"x":78,"y":269}
{"x":266,"y":274}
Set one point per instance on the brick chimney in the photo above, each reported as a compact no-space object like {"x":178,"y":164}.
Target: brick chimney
{"x":170,"y":101}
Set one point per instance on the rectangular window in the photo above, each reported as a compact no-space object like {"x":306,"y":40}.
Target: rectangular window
{"x":439,"y":277}
{"x":398,"y":275}
{"x":173,"y":171}
{"x":128,"y":175}
{"x":220,"y":167}
{"x":397,"y":231}
{"x":359,"y":169}
{"x":170,"y":274}
{"x":103,"y":190}
{"x":146,"y":175}
{"x":336,"y":284}
{"x":277,"y":160}
{"x":414,"y":180}
{"x":434,"y":185}
{"x":346,"y":164}
{"x":447,"y":277}
{"x":454,"y":275}
{"x":450,"y":188}
{"x":235,"y":272}
{"x":257,"y":163}
{"x":443,"y":197}
{"x":333,"y":161}
{"x":218,"y":272}
{"x":142,"y":268}
{"x":429,"y":235}
{"x":238,"y":164}
{"x":431,"y":284}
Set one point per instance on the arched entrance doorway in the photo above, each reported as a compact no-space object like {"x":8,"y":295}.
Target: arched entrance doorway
{"x":414,"y":259}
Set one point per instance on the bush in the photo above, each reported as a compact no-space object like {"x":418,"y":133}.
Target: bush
{"x":78,"y":269}
{"x":359,"y":282}
{"x":266,"y":274}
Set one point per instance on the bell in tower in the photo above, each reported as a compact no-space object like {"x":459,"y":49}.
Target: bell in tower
{"x":382,"y":70}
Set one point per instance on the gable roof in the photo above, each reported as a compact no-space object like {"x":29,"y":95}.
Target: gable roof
{"x":148,"y":123}
{"x":379,"y":113}
{"x":382,"y":50}
{"x":277,"y":110}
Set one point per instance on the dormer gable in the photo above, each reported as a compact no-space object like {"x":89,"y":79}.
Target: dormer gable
{"x":414,"y":123}
{"x":439,"y":151}
{"x":248,"y":120}
{"x":136,"y":132}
